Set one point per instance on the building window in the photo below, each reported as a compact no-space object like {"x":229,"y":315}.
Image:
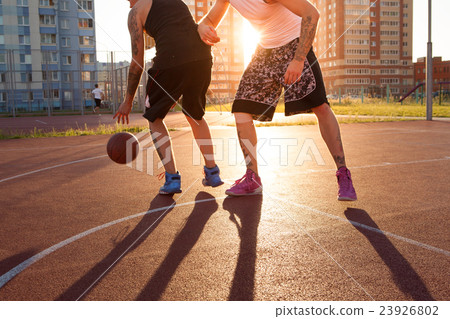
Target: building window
{"x":47,"y":38}
{"x":85,"y":5}
{"x":2,"y":39}
{"x":24,"y":39}
{"x":28,"y":96}
{"x":86,"y":76}
{"x":67,"y":60}
{"x":46,"y":3}
{"x":47,"y":19}
{"x":86,"y":40}
{"x":2,"y":58}
{"x":85,"y":23}
{"x":25,"y":58}
{"x":23,"y":20}
{"x":49,"y":57}
{"x":50,"y":75}
{"x":64,"y":6}
{"x":65,"y":42}
{"x":2,"y":96}
{"x":67,"y":77}
{"x":67,"y":95}
{"x":54,"y":94}
{"x":64,"y":24}
{"x":22,"y":3}
{"x":87,"y":58}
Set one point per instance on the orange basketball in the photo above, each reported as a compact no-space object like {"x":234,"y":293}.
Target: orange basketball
{"x":122,"y":147}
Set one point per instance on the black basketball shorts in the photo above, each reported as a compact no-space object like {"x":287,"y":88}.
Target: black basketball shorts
{"x":165,"y":87}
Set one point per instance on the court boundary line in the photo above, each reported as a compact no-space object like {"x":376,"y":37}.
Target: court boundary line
{"x":376,"y":230}
{"x":385,"y":164}
{"x":6,"y":277}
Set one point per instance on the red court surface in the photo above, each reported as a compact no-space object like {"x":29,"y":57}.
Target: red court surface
{"x":76,"y":226}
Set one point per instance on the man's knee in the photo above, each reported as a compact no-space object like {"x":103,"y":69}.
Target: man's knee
{"x":322,"y":110}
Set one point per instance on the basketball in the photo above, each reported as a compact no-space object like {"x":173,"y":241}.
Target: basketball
{"x":122,"y":147}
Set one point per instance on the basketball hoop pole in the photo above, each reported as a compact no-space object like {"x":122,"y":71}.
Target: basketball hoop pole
{"x":429,"y":68}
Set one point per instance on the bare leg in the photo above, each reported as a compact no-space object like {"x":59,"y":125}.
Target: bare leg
{"x":247,"y":139}
{"x":202,"y":135}
{"x":163,"y":145}
{"x":329,"y":128}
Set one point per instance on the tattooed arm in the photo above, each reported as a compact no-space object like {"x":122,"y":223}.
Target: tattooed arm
{"x":310,"y":19}
{"x":135,"y":27}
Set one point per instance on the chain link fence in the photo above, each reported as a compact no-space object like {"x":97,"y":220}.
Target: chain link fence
{"x":61,"y":82}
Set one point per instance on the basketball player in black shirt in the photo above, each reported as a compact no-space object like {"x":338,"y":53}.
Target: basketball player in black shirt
{"x":182,"y":67}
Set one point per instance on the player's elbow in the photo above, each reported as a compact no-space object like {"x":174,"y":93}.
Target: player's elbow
{"x":314,"y":14}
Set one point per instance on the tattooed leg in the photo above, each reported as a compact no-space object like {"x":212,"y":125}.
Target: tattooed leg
{"x":329,"y":129}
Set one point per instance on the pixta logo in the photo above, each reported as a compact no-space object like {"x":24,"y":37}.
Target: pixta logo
{"x":227,"y":151}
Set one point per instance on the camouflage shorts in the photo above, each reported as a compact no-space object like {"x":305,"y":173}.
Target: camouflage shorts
{"x":262,"y":84}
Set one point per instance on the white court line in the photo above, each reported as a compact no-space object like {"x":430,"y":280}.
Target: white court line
{"x":301,"y":172}
{"x":41,"y":122}
{"x":376,"y":230}
{"x":22,"y":266}
{"x":385,"y":164}
{"x":51,"y":167}
{"x":25,"y":149}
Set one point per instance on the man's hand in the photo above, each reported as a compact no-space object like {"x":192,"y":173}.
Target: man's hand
{"x":122,"y":113}
{"x":294,"y":72}
{"x":208,"y":34}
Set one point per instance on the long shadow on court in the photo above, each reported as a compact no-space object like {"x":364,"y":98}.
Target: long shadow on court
{"x":245,"y":213}
{"x":8,"y":263}
{"x":180,"y":248}
{"x":404,"y":275}
{"x":148,"y":223}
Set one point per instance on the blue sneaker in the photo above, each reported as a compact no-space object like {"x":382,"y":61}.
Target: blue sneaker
{"x":172,"y":184}
{"x":212,"y":177}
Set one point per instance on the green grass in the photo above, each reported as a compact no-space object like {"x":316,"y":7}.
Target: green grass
{"x":343,"y":120}
{"x":370,"y":107}
{"x":100,"y":130}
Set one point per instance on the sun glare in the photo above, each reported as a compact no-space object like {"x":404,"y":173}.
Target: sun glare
{"x":250,"y":39}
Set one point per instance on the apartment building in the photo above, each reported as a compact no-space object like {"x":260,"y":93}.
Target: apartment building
{"x":441,"y":73}
{"x":365,"y":46}
{"x":47,"y":54}
{"x":228,"y":53}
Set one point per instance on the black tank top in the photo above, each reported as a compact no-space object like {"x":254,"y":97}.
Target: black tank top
{"x":172,"y":26}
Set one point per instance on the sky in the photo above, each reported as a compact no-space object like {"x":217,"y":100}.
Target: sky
{"x":112,"y":31}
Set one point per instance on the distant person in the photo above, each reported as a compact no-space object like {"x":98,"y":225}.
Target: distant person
{"x":285,"y":59}
{"x":98,"y":96}
{"x":182,"y":67}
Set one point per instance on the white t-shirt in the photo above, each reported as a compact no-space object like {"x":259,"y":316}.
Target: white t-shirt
{"x":276,"y":24}
{"x":97,"y":93}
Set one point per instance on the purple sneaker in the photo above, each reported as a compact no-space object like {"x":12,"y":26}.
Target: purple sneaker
{"x":249,"y":184}
{"x":346,"y":190}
